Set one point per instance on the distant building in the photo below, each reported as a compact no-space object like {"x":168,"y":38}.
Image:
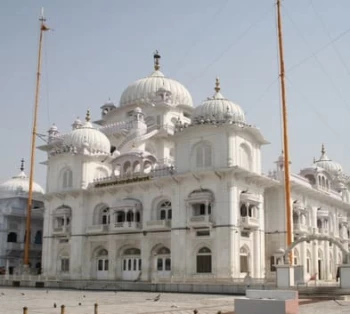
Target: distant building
{"x":13,"y":208}
{"x":162,"y":191}
{"x":321,"y":205}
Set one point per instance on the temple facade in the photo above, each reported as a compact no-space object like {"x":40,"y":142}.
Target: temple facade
{"x":159,"y":190}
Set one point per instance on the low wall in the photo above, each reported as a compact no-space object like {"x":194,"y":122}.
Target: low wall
{"x":227,"y":288}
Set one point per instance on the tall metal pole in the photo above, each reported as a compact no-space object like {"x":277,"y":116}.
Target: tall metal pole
{"x":285,"y":132}
{"x":43,"y":28}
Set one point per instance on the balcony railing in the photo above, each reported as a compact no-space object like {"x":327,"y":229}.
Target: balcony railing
{"x":158,"y":224}
{"x":61,"y":230}
{"x":14,"y":246}
{"x":126,"y":226}
{"x":200,"y":221}
{"x":97,"y":229}
{"x":249,"y":222}
{"x":300,"y":228}
{"x":322,"y":213}
{"x":323,"y":231}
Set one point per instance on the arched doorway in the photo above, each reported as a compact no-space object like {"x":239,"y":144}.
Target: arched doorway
{"x":131,"y":264}
{"x":320,"y":264}
{"x":320,"y":267}
{"x":102,"y":264}
{"x":163,"y":262}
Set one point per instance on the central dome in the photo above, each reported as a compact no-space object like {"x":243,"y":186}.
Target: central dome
{"x":219,"y":107}
{"x":85,"y":136}
{"x":156,"y":87}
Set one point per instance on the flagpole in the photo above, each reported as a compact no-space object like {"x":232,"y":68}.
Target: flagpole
{"x":288,"y":205}
{"x":43,"y":28}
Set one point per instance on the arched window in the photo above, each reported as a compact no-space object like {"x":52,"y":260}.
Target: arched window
{"x":127,"y":168}
{"x":204,"y":260}
{"x":308,"y":261}
{"x":203,"y":156}
{"x":67,"y":179}
{"x":130,"y":216}
{"x":64,"y":262}
{"x":244,"y":259}
{"x":244,"y":210}
{"x":105,"y":216}
{"x":120,"y":216}
{"x":295,"y":218}
{"x":102,"y":263}
{"x":165,"y":211}
{"x":296,"y":257}
{"x":38,"y":237}
{"x":136,"y":167}
{"x":12,"y":237}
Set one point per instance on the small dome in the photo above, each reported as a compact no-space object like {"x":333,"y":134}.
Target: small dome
{"x":327,"y":164}
{"x":19,"y":186}
{"x":219,"y":108}
{"x":148,"y":89}
{"x":88,"y":137}
{"x":77,"y":124}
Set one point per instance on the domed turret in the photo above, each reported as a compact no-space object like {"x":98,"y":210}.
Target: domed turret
{"x":19,"y":185}
{"x":332,"y":167}
{"x":86,"y":137}
{"x":218,"y":108}
{"x":156,"y":88}
{"x":77,"y":124}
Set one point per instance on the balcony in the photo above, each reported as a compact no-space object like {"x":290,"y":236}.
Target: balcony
{"x":62,"y":230}
{"x":323,"y":231}
{"x":94,"y":229}
{"x":126,"y":226}
{"x":158,"y":224}
{"x":300,"y":228}
{"x":200,"y":221}
{"x":13,"y":246}
{"x":343,"y":219}
{"x":322,"y":213}
{"x":249,"y":222}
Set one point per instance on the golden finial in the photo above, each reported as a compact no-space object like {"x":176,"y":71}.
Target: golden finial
{"x":156,"y":57}
{"x":217,"y":85}
{"x":323,"y":150}
{"x":22,"y":164}
{"x":87,"y":117}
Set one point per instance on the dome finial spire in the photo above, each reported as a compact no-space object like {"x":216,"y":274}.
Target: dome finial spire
{"x":314,"y":160}
{"x":217,"y":85}
{"x":87,"y":117}
{"x":156,"y":57}
{"x":22,"y":165}
{"x":323,"y":150}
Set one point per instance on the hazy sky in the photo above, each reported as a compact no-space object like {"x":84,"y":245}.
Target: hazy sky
{"x":98,"y":48}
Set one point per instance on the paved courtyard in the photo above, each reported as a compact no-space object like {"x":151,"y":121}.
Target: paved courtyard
{"x":12,"y":301}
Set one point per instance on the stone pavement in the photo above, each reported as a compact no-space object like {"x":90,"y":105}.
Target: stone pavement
{"x":41,"y":301}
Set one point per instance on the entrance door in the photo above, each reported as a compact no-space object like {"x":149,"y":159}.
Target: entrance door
{"x":319,"y":269}
{"x":131,"y":267}
{"x":163,"y":266}
{"x":102,"y":268}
